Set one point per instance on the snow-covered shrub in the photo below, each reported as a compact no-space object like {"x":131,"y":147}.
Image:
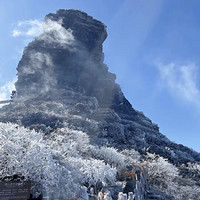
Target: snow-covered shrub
{"x":186,"y":192}
{"x":110,"y":155}
{"x":132,"y":157}
{"x":94,"y":170}
{"x":26,"y":153}
{"x":58,"y":165}
{"x":194,"y":167}
{"x":165,"y":176}
{"x":75,"y":147}
{"x":161,"y":173}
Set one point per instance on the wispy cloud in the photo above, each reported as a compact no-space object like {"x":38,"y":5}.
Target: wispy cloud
{"x":55,"y":33}
{"x":49,"y":31}
{"x":30,"y":28}
{"x":181,"y":80}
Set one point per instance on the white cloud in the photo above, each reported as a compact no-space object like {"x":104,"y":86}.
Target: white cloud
{"x":6,"y":90}
{"x":181,"y":81}
{"x":50,"y":31}
{"x":16,"y":33}
{"x":55,"y":33}
{"x":37,"y":62}
{"x":29,"y":28}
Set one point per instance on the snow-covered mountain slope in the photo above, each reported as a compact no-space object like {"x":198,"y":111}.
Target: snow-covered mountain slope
{"x":63,"y":82}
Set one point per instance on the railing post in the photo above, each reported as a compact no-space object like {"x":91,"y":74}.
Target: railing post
{"x":130,"y":196}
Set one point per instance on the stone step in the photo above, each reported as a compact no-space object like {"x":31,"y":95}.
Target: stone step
{"x":154,"y":197}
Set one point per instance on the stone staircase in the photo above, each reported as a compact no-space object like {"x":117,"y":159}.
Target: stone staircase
{"x":135,"y":189}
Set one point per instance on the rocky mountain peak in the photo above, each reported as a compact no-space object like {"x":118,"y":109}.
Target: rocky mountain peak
{"x":68,"y":54}
{"x":90,"y":32}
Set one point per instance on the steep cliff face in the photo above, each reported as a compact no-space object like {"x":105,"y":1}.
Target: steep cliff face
{"x":62,"y":79}
{"x":67,"y":55}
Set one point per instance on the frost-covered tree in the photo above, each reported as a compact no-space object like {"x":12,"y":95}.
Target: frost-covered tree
{"x":159,"y":169}
{"x":161,"y":173}
{"x":167,"y":178}
{"x":58,"y":165}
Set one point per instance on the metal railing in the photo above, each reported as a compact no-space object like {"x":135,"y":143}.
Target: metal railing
{"x":6,"y":101}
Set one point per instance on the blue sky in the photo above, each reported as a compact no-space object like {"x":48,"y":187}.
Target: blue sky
{"x":153,"y":47}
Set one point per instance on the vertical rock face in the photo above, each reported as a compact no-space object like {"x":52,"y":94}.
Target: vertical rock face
{"x":67,"y":55}
{"x":62,"y":79}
